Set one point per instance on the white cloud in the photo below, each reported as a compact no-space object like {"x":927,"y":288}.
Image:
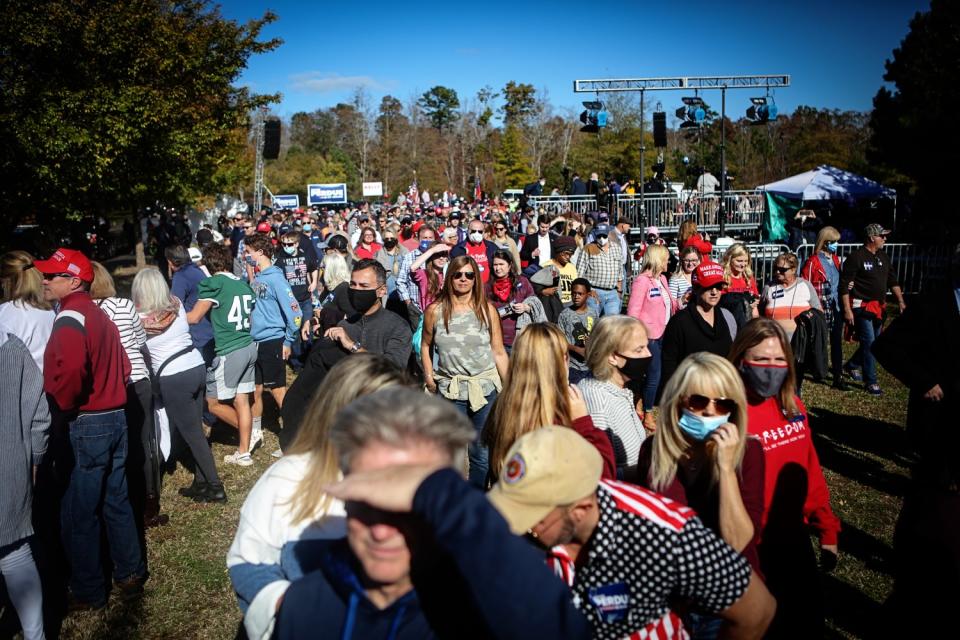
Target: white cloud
{"x":323,"y":82}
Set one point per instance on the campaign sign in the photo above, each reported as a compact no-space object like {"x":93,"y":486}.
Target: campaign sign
{"x":326,"y":194}
{"x":372,"y":189}
{"x":286,"y":202}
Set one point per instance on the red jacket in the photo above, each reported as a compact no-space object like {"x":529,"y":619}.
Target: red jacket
{"x":701,"y":245}
{"x":787,"y":444}
{"x":84,"y":366}
{"x":814,"y":273}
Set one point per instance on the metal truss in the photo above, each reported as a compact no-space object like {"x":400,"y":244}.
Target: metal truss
{"x":687,"y":83}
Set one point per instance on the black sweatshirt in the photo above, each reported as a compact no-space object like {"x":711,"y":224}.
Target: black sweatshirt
{"x":867,"y":276}
{"x":687,"y":332}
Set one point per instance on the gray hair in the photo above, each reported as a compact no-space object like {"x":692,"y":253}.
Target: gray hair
{"x":178,"y":255}
{"x":150,"y":291}
{"x":399,"y":417}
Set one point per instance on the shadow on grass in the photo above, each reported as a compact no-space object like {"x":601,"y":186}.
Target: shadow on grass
{"x":875,"y":554}
{"x":848,"y":609}
{"x":842,"y":440}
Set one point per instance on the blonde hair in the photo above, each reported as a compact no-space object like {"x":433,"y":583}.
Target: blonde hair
{"x":335,"y":270}
{"x":20,"y":280}
{"x":827,"y":234}
{"x":536,"y":394}
{"x":359,"y":375}
{"x":700,"y":373}
{"x":736,"y":250}
{"x":655,"y":260}
{"x":150,"y":292}
{"x":102,"y":285}
{"x":607,"y":338}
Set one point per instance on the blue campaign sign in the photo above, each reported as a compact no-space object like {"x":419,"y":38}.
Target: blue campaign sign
{"x":286,"y":202}
{"x":326,"y":194}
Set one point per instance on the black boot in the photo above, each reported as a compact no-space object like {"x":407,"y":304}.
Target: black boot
{"x":211,"y":493}
{"x":151,"y":512}
{"x":195,"y":489}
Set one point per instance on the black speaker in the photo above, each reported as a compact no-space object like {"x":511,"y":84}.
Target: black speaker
{"x":659,"y":129}
{"x":271,"y":139}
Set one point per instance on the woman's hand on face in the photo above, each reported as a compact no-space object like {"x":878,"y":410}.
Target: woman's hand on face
{"x":726,"y":439}
{"x":578,"y":408}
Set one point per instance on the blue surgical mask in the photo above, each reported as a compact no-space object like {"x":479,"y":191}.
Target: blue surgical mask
{"x":700,"y":427}
{"x":832,"y":247}
{"x":308,"y":227}
{"x":250,"y":260}
{"x":291,"y":251}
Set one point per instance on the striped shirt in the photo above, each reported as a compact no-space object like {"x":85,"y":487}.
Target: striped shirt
{"x":645,"y":551}
{"x":603,"y":269}
{"x":612,"y":409}
{"x":132,"y":334}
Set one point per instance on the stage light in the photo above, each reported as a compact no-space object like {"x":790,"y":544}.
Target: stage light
{"x":594,"y":118}
{"x":762,"y":110}
{"x":692,"y":113}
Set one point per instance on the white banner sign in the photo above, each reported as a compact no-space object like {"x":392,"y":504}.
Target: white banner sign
{"x":372,"y":189}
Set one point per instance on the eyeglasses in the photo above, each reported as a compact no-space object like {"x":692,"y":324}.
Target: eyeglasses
{"x":460,"y":275}
{"x":248,"y":226}
{"x":691,"y":262}
{"x":697,"y":402}
{"x":289,"y":244}
{"x":51,"y":276}
{"x":782,"y":269}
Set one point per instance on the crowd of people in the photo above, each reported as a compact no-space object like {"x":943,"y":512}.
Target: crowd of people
{"x":494,"y":428}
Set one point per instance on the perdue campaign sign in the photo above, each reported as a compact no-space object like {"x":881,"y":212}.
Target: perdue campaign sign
{"x":287,"y":201}
{"x":326,"y":193}
{"x":372,"y":189}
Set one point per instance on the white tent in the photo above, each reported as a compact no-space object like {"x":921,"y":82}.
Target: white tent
{"x":828,"y":183}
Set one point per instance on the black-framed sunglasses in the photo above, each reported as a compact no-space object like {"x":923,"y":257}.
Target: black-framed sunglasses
{"x":52,"y":276}
{"x":782,"y":269}
{"x":460,"y":275}
{"x":697,"y":402}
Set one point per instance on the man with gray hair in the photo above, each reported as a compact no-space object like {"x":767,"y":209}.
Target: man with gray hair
{"x":425,"y":555}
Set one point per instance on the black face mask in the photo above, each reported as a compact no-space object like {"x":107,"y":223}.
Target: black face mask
{"x":635,"y":368}
{"x":362,"y":299}
{"x":390,"y":243}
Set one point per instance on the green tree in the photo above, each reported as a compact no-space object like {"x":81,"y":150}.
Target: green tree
{"x":440,"y":106}
{"x":511,"y":166}
{"x":914,"y":121}
{"x":110,"y":106}
{"x":519,"y":103}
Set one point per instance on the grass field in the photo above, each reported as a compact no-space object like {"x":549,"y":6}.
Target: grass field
{"x":860,"y":440}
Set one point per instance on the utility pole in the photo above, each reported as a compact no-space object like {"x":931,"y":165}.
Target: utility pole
{"x":258,"y":162}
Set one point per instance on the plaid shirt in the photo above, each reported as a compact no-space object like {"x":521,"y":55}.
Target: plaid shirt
{"x":603,"y":270}
{"x":406,"y":285}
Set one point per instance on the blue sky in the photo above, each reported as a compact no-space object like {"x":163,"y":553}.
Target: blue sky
{"x":833,"y":51}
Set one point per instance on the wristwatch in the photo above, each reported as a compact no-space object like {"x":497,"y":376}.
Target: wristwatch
{"x":355,"y":347}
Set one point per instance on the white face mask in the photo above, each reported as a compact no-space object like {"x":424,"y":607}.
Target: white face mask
{"x":602,"y":240}
{"x":476,"y":237}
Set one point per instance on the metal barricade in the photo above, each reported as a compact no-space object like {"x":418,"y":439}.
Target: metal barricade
{"x":745,"y":210}
{"x":916,"y":266}
{"x":563,"y":204}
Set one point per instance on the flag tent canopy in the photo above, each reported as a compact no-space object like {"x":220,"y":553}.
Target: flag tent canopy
{"x":828,"y":183}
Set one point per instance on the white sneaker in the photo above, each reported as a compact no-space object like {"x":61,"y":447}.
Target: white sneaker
{"x":278,"y":453}
{"x":256,"y":439}
{"x":239,"y":459}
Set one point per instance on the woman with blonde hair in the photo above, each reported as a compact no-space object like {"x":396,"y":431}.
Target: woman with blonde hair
{"x":288,"y":502}
{"x":651,"y":304}
{"x":701,"y":456}
{"x":741,"y":296}
{"x":463,"y":328}
{"x":617,"y":353}
{"x":23,"y":310}
{"x":145,"y":488}
{"x":539,"y":394}
{"x":822,"y":270}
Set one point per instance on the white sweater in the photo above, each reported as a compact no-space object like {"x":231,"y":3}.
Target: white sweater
{"x":265,"y":527}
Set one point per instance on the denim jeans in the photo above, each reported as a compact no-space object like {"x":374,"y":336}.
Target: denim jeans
{"x":23,"y":585}
{"x":868,"y":326}
{"x":609,"y":304}
{"x":98,"y":485}
{"x":477,"y":453}
{"x":653,"y":375}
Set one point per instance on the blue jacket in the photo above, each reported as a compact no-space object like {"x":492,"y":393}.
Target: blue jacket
{"x":184,"y":286}
{"x":472,"y":579}
{"x":275,"y":308}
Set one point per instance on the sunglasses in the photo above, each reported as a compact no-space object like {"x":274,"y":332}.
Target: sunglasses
{"x":460,"y":275}
{"x":289,"y":244}
{"x":783,"y":269}
{"x":697,"y":402}
{"x":501,"y":228}
{"x":53,"y":276}
{"x":248,"y":226}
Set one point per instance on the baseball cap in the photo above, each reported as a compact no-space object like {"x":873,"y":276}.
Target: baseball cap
{"x":708,"y":274}
{"x":602,"y":229}
{"x":652,"y":230}
{"x":454,"y":215}
{"x":544,"y":469}
{"x":67,"y":261}
{"x":195,"y":255}
{"x":263,"y":227}
{"x":406,"y":220}
{"x":875,"y":230}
